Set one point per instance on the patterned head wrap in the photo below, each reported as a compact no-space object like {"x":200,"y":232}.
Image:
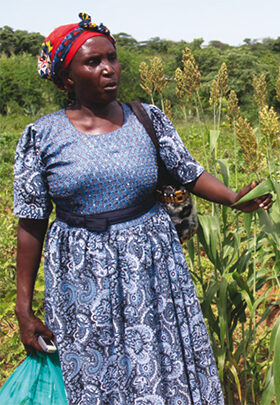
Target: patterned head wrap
{"x":59,"y":48}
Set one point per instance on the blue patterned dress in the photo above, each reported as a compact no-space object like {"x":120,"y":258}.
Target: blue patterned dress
{"x":121,"y":303}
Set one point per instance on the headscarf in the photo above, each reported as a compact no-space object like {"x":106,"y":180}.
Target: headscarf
{"x":59,"y":48}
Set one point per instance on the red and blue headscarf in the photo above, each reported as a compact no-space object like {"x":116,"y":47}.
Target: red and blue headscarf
{"x":59,"y":48}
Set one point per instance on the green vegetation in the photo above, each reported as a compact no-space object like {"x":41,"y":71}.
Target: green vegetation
{"x":225,"y":103}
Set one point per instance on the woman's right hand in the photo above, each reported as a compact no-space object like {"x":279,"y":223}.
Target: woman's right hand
{"x":31,"y":328}
{"x":31,"y":233}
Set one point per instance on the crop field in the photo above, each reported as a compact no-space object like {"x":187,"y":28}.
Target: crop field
{"x":234,"y":258}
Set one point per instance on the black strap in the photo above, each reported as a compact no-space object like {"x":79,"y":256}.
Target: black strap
{"x":101,"y":222}
{"x":145,"y":120}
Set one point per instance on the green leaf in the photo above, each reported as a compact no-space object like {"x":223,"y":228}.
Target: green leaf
{"x":211,"y":231}
{"x":270,"y":225}
{"x":261,"y":189}
{"x":276,"y":365}
{"x":214,"y":135}
{"x":268,"y":393}
{"x":224,"y":170}
{"x":191,"y":250}
{"x":273,"y":373}
{"x":237,"y":381}
{"x":222,"y":307}
{"x":247,"y":222}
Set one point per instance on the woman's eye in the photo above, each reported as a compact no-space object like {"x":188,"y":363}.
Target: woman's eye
{"x":112,"y":57}
{"x":94,"y":61}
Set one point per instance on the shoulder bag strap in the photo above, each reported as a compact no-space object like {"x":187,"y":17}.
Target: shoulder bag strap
{"x":145,"y":120}
{"x":164,"y":177}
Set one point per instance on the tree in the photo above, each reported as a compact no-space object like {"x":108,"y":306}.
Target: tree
{"x":20,"y":84}
{"x":7,"y":40}
{"x":125,"y":40}
{"x":219,"y":45}
{"x":19,"y":41}
{"x":130,"y":88}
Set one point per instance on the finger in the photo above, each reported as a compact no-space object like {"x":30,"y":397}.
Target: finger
{"x":259,"y":200}
{"x":41,"y":329}
{"x":36,"y":345}
{"x":268,"y":205}
{"x":47,"y":332}
{"x":267,"y":200}
{"x":29,"y":350}
{"x":31,"y":345}
{"x":264,"y":196}
{"x":246,"y":190}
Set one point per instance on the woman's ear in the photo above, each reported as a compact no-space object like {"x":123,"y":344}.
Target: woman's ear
{"x":67,"y":81}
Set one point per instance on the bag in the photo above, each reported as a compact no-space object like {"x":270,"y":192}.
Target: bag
{"x":37,"y":381}
{"x":170,"y":192}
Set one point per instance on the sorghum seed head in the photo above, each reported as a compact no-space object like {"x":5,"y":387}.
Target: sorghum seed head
{"x":157,"y":75}
{"x":168,"y":109}
{"x":188,"y":80}
{"x":214,"y":94}
{"x":146,"y":79}
{"x":222,"y":81}
{"x":277,"y":87}
{"x":259,"y":84}
{"x":180,"y":83}
{"x":249,"y":145}
{"x":233,"y":108}
{"x":270,"y":126}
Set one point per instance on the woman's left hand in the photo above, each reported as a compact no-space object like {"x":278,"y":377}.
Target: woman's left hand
{"x":265,"y":201}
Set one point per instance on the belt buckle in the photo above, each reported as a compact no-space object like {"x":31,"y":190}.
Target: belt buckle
{"x":177,"y":197}
{"x":180,"y":196}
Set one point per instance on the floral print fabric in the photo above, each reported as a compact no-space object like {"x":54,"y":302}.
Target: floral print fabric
{"x":121,"y":303}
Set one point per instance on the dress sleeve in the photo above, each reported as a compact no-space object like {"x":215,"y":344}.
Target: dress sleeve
{"x":31,"y":197}
{"x":173,"y":152}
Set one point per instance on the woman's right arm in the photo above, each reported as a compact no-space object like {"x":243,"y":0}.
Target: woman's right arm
{"x":30,"y":238}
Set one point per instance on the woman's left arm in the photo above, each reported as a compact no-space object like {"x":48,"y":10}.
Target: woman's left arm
{"x":187,"y":171}
{"x":212,"y":189}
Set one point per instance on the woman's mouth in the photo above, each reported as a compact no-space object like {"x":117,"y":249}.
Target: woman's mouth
{"x":111,"y":86}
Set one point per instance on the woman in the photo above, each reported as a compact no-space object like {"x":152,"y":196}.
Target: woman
{"x":119,"y":297}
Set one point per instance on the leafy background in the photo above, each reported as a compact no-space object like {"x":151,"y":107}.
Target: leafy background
{"x":234,"y":259}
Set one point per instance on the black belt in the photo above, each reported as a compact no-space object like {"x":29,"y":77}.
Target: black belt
{"x":101,"y":222}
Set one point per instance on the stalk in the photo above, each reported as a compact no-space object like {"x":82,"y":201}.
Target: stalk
{"x":213,"y":154}
{"x":214,"y":115}
{"x":202,"y":110}
{"x":235,"y":155}
{"x":219,"y":125}
{"x":199,"y":264}
{"x":186,"y":122}
{"x":162,"y":103}
{"x":202,"y":135}
{"x":245,"y":363}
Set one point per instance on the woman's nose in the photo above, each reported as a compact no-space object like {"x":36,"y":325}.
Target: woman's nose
{"x":108,"y":69}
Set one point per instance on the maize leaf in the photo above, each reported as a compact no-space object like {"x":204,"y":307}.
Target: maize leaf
{"x":263,"y":188}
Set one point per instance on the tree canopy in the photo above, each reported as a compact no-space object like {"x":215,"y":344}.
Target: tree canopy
{"x":19,"y":41}
{"x":22,"y":86}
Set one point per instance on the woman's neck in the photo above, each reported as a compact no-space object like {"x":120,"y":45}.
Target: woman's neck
{"x":96,"y":119}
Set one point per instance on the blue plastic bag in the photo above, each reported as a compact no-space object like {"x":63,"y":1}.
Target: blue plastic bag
{"x":37,"y":381}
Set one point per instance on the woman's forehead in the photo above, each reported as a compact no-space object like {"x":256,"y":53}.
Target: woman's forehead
{"x":95,"y":45}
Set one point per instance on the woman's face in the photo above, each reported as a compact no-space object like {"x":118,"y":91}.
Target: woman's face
{"x":94,"y":73}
